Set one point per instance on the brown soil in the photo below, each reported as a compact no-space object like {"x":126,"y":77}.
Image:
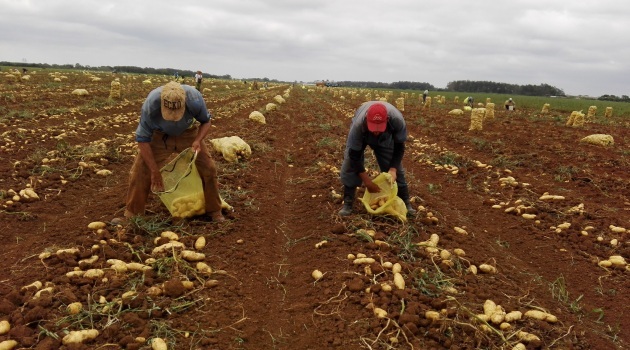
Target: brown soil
{"x":284,"y":204}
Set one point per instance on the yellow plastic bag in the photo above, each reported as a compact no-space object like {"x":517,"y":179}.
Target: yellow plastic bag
{"x":183,"y":190}
{"x":385,"y":202}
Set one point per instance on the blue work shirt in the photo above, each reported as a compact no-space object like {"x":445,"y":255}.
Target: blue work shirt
{"x":151,"y":115}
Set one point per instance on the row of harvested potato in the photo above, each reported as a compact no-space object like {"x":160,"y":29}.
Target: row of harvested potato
{"x":173,"y":246}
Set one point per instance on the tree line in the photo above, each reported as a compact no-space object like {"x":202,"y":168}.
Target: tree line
{"x":504,"y":88}
{"x":117,"y":69}
{"x":463,"y":86}
{"x":453,"y":86}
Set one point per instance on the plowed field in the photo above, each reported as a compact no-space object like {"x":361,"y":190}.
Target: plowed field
{"x":261,"y":294}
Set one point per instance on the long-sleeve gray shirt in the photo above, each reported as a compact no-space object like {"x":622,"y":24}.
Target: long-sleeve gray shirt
{"x":359,"y":137}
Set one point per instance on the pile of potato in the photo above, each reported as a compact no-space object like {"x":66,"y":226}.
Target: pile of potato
{"x":187,"y":206}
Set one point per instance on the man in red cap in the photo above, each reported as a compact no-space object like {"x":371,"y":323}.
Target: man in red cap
{"x":381,"y":126}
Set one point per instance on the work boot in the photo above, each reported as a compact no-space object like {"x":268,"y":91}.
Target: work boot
{"x":348,"y":200}
{"x":410,"y":209}
{"x":403,"y":193}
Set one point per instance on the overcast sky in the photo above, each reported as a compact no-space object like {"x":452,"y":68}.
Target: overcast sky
{"x":581,"y":47}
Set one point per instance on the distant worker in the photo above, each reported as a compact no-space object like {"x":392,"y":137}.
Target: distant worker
{"x":510,"y":105}
{"x":424,"y":96}
{"x":198,"y":79}
{"x":469,"y":101}
{"x":381,"y":126}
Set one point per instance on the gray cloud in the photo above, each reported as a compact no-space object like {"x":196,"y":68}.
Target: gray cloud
{"x":578,"y":47}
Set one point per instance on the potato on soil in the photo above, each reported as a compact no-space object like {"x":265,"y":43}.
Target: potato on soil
{"x":190,"y":255}
{"x":158,"y":344}
{"x":8,"y":344}
{"x":79,"y":336}
{"x":200,"y":243}
{"x":317,"y":275}
{"x":75,"y":308}
{"x":5,"y":326}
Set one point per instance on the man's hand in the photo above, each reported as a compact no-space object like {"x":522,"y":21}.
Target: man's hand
{"x":392,"y":172}
{"x":372,"y":187}
{"x":196,"y":146}
{"x":157,"y":185}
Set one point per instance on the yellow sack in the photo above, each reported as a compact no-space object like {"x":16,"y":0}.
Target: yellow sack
{"x":183,"y":189}
{"x":385,"y":202}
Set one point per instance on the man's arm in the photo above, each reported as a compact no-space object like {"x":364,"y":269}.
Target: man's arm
{"x":201,"y":135}
{"x":157,"y":185}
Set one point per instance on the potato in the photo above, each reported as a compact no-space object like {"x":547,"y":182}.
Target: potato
{"x":96,"y":225}
{"x":154,"y":291}
{"x":498,"y":316}
{"x":472,"y":269}
{"x":204,"y":268}
{"x":519,"y":346}
{"x":380,"y":313}
{"x":513,"y":316}
{"x":47,"y":289}
{"x":137,"y":267}
{"x":168,"y":247}
{"x":541,"y":315}
{"x":170,"y":235}
{"x":489,"y":307}
{"x":320,"y":244}
{"x":617,"y":260}
{"x":527,"y":337}
{"x":399,"y":281}
{"x":71,"y":251}
{"x":128,"y":295}
{"x":190,"y":255}
{"x":200,"y":243}
{"x":158,"y":344}
{"x":487,"y":268}
{"x":37,"y":285}
{"x":5,"y":326}
{"x":94,"y":273}
{"x":317,"y":275}
{"x":75,"y":308}
{"x":359,"y":261}
{"x":459,"y":252}
{"x":8,"y":344}
{"x":388,"y":265}
{"x":617,"y":229}
{"x":120,"y":267}
{"x":89,"y":261}
{"x":432,"y":315}
{"x":79,"y":336}
{"x":386,"y":287}
{"x":397,"y":268}
{"x":381,"y":243}
{"x":211,"y":283}
{"x":483,"y":317}
{"x":605,"y":263}
{"x":460,"y":230}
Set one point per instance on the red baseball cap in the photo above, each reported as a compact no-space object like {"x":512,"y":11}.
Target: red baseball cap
{"x":377,"y":117}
